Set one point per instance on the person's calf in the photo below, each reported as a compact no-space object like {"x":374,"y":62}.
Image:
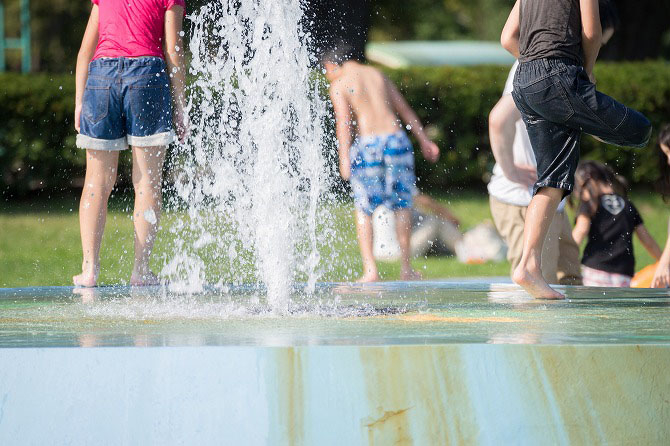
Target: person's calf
{"x":539,"y":217}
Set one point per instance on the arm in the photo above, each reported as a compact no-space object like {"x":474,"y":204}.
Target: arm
{"x":502,"y":130}
{"x":581,"y":229}
{"x":429,"y":149}
{"x":648,"y":242}
{"x":342,"y":129}
{"x":86,"y":52}
{"x":431,"y":206}
{"x":662,"y":276}
{"x":174,"y":58}
{"x":509,"y":38}
{"x":592,"y":34}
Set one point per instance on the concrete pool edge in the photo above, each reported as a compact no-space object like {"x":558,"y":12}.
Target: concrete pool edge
{"x":428,"y":394}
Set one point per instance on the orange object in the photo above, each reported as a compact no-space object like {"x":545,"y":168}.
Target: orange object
{"x":643,"y":278}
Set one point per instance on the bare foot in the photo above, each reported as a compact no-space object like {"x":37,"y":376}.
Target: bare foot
{"x":148,"y":279}
{"x":533,"y":282}
{"x":87,"y":279}
{"x":369,"y":278}
{"x":410,"y":274}
{"x":88,"y":295}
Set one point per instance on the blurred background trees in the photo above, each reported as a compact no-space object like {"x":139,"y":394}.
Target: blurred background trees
{"x":58,"y":25}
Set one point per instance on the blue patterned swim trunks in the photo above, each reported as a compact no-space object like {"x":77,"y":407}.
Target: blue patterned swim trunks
{"x":382,"y":172}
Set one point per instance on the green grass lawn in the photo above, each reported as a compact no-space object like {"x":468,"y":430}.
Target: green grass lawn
{"x":39,"y":241}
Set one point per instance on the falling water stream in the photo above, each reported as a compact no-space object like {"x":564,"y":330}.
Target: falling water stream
{"x":252,"y":175}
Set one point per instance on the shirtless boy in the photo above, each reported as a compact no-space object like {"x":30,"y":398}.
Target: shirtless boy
{"x":380,"y":162}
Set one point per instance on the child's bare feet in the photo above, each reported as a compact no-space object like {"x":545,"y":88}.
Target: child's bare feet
{"x":409,"y":274}
{"x":146,"y":279}
{"x":369,"y":277}
{"x":531,"y":280}
{"x":87,"y":278}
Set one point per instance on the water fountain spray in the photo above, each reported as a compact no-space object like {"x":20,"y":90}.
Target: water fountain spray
{"x":252,"y":175}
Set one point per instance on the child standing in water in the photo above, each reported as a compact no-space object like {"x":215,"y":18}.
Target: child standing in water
{"x":608,"y":220}
{"x":557,"y":44}
{"x":130,"y":55}
{"x":380,"y":162}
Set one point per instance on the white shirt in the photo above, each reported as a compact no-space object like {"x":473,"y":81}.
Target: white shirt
{"x":500,"y":187}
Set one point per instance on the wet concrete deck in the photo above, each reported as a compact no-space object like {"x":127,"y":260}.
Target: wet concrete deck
{"x":398,"y":363}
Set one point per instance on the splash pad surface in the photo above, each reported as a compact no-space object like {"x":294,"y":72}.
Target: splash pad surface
{"x":393,"y":363}
{"x":393,"y":313}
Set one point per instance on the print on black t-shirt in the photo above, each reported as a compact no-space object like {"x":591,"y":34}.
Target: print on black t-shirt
{"x":610,"y":242}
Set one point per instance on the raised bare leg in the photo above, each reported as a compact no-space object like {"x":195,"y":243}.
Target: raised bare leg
{"x":101,"y":166}
{"x":403,"y":224}
{"x":147,"y":181}
{"x":539,"y":216}
{"x":364,"y":232}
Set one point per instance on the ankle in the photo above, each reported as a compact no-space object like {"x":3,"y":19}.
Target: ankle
{"x":90,"y":266}
{"x":141,"y":271}
{"x":371,"y":271}
{"x":531,"y":262}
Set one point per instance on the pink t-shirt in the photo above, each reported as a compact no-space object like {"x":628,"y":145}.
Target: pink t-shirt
{"x":132,"y":28}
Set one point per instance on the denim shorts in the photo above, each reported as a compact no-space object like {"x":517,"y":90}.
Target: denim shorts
{"x":126,"y":102}
{"x":558,"y":102}
{"x":382,"y":172}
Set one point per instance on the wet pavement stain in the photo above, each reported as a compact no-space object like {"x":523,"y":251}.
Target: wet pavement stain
{"x":433,"y":387}
{"x":290,"y":391}
{"x":391,"y":428}
{"x":426,"y":317}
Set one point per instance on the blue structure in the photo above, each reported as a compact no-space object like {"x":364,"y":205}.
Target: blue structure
{"x":395,"y":363}
{"x":21,"y":43}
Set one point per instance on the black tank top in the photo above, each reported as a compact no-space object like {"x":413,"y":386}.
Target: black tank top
{"x":610,"y":242}
{"x":550,"y":29}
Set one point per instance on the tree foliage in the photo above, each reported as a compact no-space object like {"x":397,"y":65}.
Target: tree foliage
{"x":439,"y":19}
{"x":58,"y":25}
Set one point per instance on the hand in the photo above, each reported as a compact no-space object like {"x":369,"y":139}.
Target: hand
{"x":592,"y":78}
{"x":454,"y":220}
{"x":77,"y":116}
{"x":430,"y":151}
{"x":345,"y":169}
{"x":523,"y":174}
{"x":182,"y":125}
{"x":661,"y":277}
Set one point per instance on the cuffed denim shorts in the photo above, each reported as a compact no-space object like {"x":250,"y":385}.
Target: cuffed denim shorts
{"x":382,"y":172}
{"x":126,"y":102}
{"x":558,"y":102}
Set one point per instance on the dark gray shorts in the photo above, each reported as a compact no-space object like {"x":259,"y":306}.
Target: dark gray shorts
{"x":558,"y":102}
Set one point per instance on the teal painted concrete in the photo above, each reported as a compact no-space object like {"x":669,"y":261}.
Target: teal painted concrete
{"x":428,"y":363}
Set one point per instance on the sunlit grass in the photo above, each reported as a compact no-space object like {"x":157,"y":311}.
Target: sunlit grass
{"x":40,"y":245}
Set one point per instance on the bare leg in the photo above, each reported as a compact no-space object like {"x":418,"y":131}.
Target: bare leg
{"x":101,"y":166}
{"x":147,"y":181}
{"x":403,"y":224}
{"x":538,"y":219}
{"x":364,"y":232}
{"x":569,"y":268}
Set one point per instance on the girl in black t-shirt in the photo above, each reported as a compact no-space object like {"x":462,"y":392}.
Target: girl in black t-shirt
{"x":609,"y":220}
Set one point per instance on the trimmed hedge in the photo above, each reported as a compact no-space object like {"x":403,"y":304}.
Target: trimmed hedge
{"x":36,"y":134}
{"x":37,"y":139}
